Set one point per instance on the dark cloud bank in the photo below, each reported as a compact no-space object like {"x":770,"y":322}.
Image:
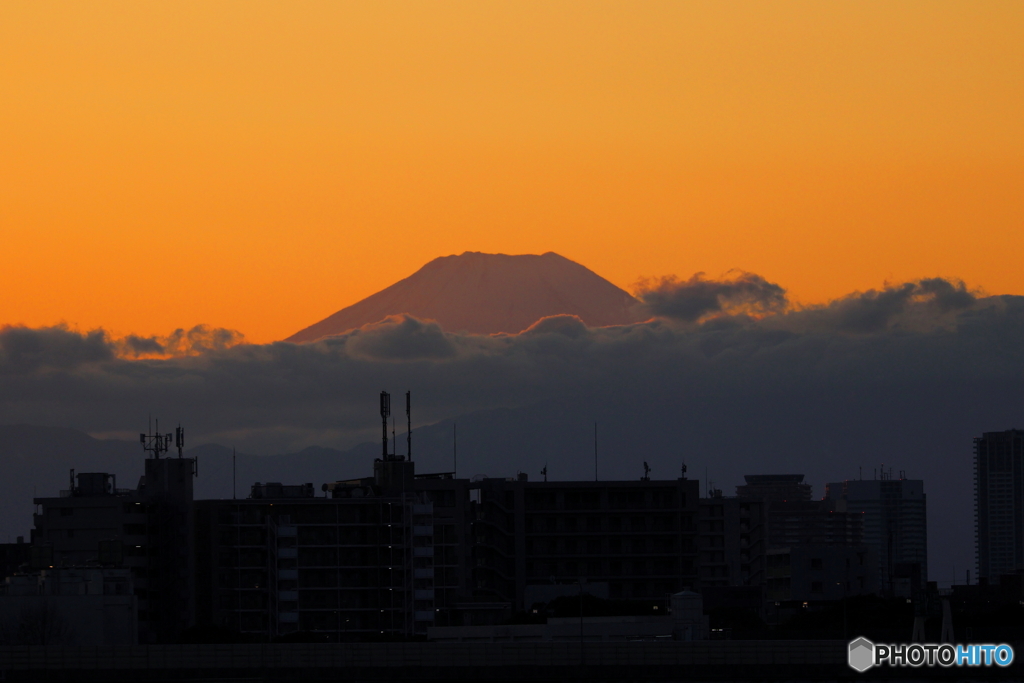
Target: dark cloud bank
{"x":728,"y":376}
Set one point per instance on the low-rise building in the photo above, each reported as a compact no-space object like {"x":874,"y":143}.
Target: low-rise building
{"x":685,"y":621}
{"x":69,"y":606}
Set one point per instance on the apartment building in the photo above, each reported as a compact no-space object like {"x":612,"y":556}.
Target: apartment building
{"x":639,"y":537}
{"x":147,"y":529}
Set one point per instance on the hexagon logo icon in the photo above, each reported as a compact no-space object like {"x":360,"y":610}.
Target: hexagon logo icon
{"x":861,"y":655}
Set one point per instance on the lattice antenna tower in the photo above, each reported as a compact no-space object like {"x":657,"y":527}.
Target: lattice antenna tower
{"x":156,"y":443}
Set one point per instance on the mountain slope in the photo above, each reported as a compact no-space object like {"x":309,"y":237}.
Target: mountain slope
{"x":488,"y":294}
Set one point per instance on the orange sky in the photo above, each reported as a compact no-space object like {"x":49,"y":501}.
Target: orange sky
{"x":260,"y":165}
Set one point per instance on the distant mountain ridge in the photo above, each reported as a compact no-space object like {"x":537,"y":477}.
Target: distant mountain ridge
{"x":488,"y":294}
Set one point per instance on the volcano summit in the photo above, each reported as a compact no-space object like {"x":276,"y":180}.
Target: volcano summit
{"x":488,"y":294}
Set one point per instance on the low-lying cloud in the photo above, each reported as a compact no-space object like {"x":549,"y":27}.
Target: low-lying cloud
{"x":921,"y":304}
{"x":697,"y":298}
{"x":198,"y":340}
{"x":400,"y":337}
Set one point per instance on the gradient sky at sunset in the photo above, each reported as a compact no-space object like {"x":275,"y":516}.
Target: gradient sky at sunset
{"x":258,"y":166}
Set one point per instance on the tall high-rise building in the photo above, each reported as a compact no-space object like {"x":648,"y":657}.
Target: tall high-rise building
{"x":895,"y":527}
{"x":999,"y":503}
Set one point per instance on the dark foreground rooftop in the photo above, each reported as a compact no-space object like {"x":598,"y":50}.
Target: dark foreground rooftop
{"x":792,"y":660}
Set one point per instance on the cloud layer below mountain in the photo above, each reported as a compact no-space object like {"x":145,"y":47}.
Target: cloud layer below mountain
{"x":735,"y":335}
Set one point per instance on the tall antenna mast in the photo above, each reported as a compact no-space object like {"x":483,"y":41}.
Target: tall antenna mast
{"x":385,"y":412}
{"x":179,"y":438}
{"x":156,"y":443}
{"x":595,"y":451}
{"x":455,"y":450}
{"x":408,"y":417}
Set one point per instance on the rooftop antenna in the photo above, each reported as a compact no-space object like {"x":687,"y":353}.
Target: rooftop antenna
{"x":647,"y":472}
{"x":408,"y":417}
{"x":545,"y":471}
{"x":154,"y":442}
{"x":683,"y":470}
{"x":385,"y":411}
{"x":234,"y":476}
{"x":394,"y":441}
{"x":179,"y":438}
{"x":595,"y":451}
{"x":455,"y":450}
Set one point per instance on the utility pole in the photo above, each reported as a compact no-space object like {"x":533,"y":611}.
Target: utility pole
{"x":582,"y":658}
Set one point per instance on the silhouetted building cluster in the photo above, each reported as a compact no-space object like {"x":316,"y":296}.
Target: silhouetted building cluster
{"x":395,"y":554}
{"x":401,"y":554}
{"x":815,"y":549}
